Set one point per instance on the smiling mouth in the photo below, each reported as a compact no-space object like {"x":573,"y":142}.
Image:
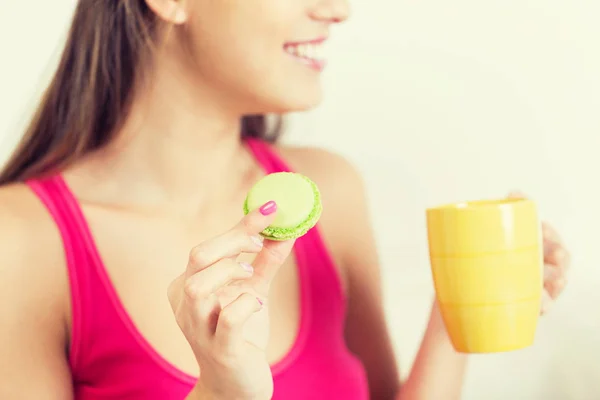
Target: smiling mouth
{"x":309,"y":53}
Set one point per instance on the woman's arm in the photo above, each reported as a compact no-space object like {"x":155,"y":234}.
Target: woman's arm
{"x":438,"y":370}
{"x":33,"y":361}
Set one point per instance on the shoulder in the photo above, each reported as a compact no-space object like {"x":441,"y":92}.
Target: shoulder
{"x":345,"y":221}
{"x":33,"y":284}
{"x":26,"y":228}
{"x":335,"y":174}
{"x":338,"y":179}
{"x":32,"y":271}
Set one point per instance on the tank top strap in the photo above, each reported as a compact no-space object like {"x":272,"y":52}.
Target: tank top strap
{"x":266,"y":155}
{"x":62,"y":207}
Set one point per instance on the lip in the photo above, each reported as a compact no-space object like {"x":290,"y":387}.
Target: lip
{"x":318,"y":40}
{"x":315,"y":64}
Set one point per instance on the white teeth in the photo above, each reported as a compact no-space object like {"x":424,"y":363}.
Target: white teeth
{"x":303,"y":50}
{"x":310,"y":51}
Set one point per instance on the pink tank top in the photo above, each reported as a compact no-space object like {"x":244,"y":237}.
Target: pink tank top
{"x":110,"y":359}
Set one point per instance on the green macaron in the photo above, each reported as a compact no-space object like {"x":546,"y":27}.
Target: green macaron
{"x":298,"y":204}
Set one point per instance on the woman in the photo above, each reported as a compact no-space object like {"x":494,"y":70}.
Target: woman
{"x":129,"y":185}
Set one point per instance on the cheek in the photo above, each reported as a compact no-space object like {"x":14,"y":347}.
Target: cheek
{"x":249,"y":64}
{"x":243,"y":27}
{"x":247,"y":49}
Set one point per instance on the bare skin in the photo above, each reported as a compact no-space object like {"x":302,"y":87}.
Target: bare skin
{"x":32,"y":290}
{"x":158,"y":191}
{"x":33,"y":281}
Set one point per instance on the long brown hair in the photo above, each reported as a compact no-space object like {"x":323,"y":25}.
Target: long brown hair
{"x":90,"y":94}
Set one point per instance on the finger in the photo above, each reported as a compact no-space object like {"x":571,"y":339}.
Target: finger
{"x":268,"y":262}
{"x":550,"y":234}
{"x":207,"y":312}
{"x":555,"y":281}
{"x":257,"y":220}
{"x":516,"y":194}
{"x":555,"y":252}
{"x":557,"y":256}
{"x":209,"y":280}
{"x":244,"y":237}
{"x":233,"y":317}
{"x":228,"y":245}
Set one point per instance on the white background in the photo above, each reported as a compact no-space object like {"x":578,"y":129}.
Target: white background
{"x":436,"y":102}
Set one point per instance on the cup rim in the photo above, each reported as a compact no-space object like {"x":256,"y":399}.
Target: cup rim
{"x":482,"y":204}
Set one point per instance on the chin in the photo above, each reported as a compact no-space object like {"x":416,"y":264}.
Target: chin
{"x":301,"y":101}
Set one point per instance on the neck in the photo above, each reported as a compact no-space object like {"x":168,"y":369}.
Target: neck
{"x":178,"y":145}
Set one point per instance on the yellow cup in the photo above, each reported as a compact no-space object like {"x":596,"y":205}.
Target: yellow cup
{"x":487,"y":265}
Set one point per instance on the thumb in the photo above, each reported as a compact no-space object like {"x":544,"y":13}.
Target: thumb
{"x":267,"y":263}
{"x":516,"y":194}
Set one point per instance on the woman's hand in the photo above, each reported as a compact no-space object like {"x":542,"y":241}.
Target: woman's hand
{"x":556,"y":263}
{"x":220,"y":304}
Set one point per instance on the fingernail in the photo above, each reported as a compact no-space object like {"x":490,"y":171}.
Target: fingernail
{"x":257,"y":241}
{"x":247,"y":267}
{"x":260,"y":301}
{"x":268,"y":208}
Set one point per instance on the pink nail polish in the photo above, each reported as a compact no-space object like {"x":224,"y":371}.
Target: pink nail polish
{"x":268,"y":208}
{"x":257,"y":240}
{"x":247,"y":267}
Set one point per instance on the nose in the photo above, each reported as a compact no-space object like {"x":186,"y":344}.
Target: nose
{"x":331,"y":11}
